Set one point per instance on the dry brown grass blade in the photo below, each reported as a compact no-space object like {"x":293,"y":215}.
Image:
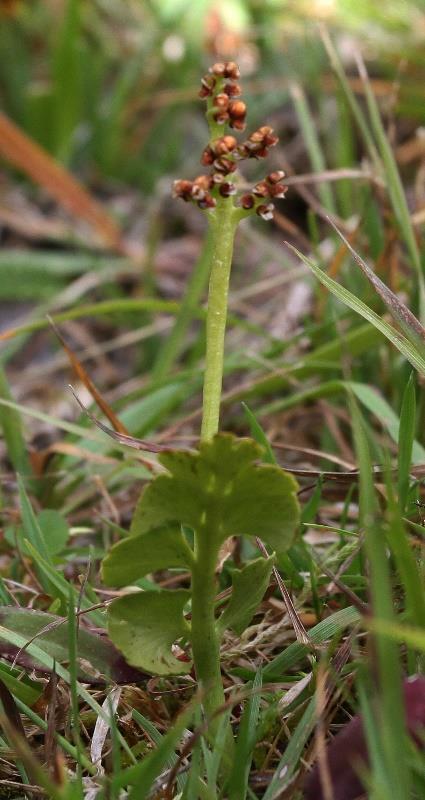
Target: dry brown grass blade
{"x":122,"y":438}
{"x":362,"y":607}
{"x":338,"y":259}
{"x":320,"y":735}
{"x":26,"y":155}
{"x":70,"y":449}
{"x":333,"y":271}
{"x":11,"y":710}
{"x":300,"y":631}
{"x":33,"y":767}
{"x":88,"y":383}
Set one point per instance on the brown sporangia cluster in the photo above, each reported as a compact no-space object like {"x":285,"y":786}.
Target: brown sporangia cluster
{"x":221,"y":90}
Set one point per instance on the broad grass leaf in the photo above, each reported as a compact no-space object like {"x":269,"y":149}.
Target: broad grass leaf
{"x":249,"y":585}
{"x":99,"y":661}
{"x":136,"y":556}
{"x":145,"y":625}
{"x":223,"y":491}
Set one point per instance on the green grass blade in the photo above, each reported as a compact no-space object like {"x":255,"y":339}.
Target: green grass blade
{"x":32,"y":529}
{"x":220,"y":753}
{"x":73,"y":672}
{"x":63,"y":742}
{"x":59,"y":586}
{"x":11,"y":425}
{"x":318,"y":635}
{"x":121,"y":305}
{"x":389,"y":714}
{"x":157,"y":738}
{"x":189,"y":309}
{"x":355,"y":107}
{"x":193,"y":783}
{"x":25,"y":689}
{"x":67,"y":92}
{"x":142,"y":775}
{"x":288,"y":763}
{"x":238,"y":782}
{"x":406,"y":439}
{"x":402,"y":344}
{"x":404,"y":555}
{"x":308,"y":129}
{"x":39,"y":655}
{"x":409,"y":324}
{"x":396,"y":632}
{"x":383,"y":412}
{"x":258,"y":434}
{"x":395,"y":187}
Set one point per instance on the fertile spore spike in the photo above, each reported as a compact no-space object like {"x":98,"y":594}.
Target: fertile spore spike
{"x":223,"y":152}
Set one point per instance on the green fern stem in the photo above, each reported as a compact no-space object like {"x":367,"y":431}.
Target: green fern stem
{"x":205,"y":640}
{"x":223,"y":221}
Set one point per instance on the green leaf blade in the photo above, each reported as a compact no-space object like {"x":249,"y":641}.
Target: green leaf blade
{"x":145,"y":625}
{"x":224,"y":491}
{"x":144,"y":553}
{"x":249,"y":586}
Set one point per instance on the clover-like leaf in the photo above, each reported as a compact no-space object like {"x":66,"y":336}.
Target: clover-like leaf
{"x":136,"y":556}
{"x":145,"y":625}
{"x":223,"y":491}
{"x":249,"y":586}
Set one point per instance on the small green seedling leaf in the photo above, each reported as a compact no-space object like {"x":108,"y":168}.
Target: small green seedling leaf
{"x":54,"y":529}
{"x":139,"y":555}
{"x":145,"y":625}
{"x":249,"y":585}
{"x":223,"y":491}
